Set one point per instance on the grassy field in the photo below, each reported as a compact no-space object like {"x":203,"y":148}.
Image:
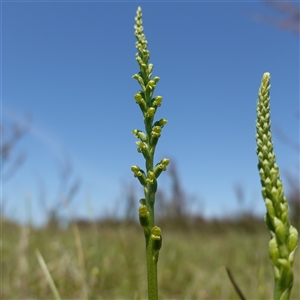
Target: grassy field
{"x":108,"y":262}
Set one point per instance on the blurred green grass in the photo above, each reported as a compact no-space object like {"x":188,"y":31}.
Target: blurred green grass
{"x":107,"y":261}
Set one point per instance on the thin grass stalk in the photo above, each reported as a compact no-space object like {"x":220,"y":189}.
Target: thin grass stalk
{"x":47,"y":275}
{"x":79,"y":249}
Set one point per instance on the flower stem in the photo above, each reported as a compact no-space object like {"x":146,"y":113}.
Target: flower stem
{"x":284,"y":237}
{"x":146,"y":145}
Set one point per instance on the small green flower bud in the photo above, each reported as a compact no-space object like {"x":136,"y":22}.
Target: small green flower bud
{"x":293,"y":238}
{"x":162,"y":166}
{"x":150,"y":90}
{"x":135,"y":132}
{"x":151,"y":180}
{"x":143,"y":148}
{"x":284,"y":208}
{"x":141,"y":102}
{"x":156,"y":79}
{"x":156,"y":231}
{"x":270,"y":208}
{"x":151,"y":177}
{"x":143,"y":211}
{"x":149,"y":70}
{"x":155,"y":133}
{"x":151,"y":84}
{"x":284,"y":217}
{"x":150,"y":113}
{"x":140,"y":174}
{"x":268,"y":183}
{"x":260,"y":156}
{"x":274,"y":192}
{"x":279,"y":229}
{"x":145,"y":52}
{"x":144,"y":215}
{"x":156,"y":130}
{"x":165,"y":162}
{"x":156,"y":238}
{"x":138,"y":97}
{"x":157,"y":101}
{"x":161,"y":123}
{"x":135,"y":170}
{"x":273,"y":251}
{"x":141,"y":145}
{"x":138,"y":58}
{"x":285,"y":263}
{"x":139,"y":78}
{"x":292,"y":256}
{"x":140,"y":134}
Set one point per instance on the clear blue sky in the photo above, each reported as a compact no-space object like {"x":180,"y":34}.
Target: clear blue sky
{"x":70,"y":65}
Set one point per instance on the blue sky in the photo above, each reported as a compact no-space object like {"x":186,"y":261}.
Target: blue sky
{"x":69,"y":65}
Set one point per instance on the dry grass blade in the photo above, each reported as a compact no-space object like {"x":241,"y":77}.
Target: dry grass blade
{"x":237,"y":289}
{"x":47,"y":274}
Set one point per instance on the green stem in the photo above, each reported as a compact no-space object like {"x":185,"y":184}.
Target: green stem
{"x":150,"y":200}
{"x":151,"y":262}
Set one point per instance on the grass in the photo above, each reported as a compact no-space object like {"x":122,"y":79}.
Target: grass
{"x":114,"y":269}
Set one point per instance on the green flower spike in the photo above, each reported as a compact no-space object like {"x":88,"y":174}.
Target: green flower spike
{"x":146,"y":145}
{"x":284,"y":237}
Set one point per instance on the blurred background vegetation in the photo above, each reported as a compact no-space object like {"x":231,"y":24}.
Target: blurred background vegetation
{"x":106,"y":260}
